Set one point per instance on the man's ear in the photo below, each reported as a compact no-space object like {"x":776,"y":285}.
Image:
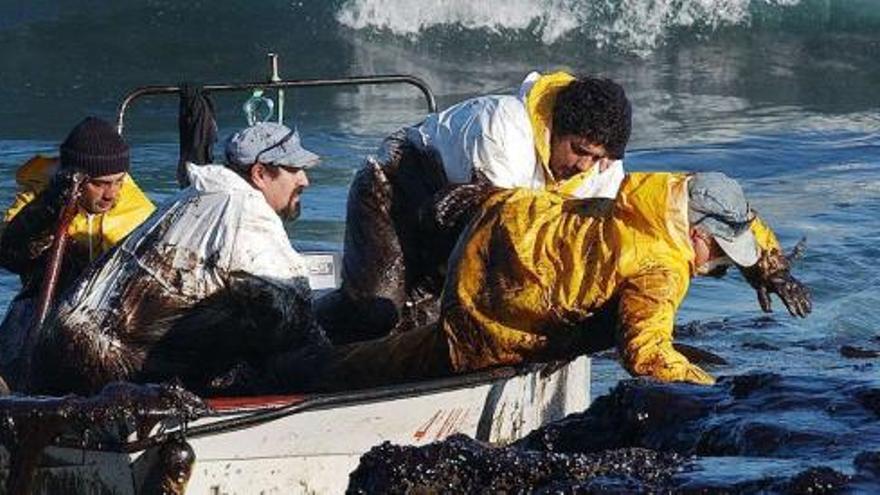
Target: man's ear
{"x":699,"y":241}
{"x":694,"y":234}
{"x":258,"y":175}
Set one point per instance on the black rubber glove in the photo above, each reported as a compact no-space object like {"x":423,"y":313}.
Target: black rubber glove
{"x":63,"y":186}
{"x":772,"y":274}
{"x":454,"y":206}
{"x":30,"y":234}
{"x":441,"y":220}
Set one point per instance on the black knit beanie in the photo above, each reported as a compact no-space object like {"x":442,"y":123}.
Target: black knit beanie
{"x":94,"y":147}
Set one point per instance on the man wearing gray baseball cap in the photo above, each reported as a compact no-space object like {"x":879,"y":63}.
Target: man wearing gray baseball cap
{"x":718,"y":211}
{"x":271,"y":158}
{"x":208,"y":285}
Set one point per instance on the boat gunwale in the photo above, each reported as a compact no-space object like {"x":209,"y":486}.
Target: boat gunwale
{"x":238,"y":419}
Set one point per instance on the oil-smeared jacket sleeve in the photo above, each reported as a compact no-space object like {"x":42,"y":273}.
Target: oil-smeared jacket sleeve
{"x":764,"y":236}
{"x":22,"y":199}
{"x":28,"y":235}
{"x":648,"y":302}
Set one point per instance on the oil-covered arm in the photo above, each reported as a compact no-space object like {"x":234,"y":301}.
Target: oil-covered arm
{"x":30,"y":232}
{"x":647,"y":307}
{"x":29,"y":235}
{"x":453,"y":207}
{"x":275,"y":314}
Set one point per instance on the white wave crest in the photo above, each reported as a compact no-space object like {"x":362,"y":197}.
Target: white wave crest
{"x":631,"y":25}
{"x":552,"y":17}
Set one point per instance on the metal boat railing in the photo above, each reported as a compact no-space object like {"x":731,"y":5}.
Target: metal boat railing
{"x":276,"y":83}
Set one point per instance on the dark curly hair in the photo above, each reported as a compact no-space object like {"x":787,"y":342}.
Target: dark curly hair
{"x":597,"y":109}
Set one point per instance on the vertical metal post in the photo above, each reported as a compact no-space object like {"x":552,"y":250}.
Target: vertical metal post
{"x":274,"y":77}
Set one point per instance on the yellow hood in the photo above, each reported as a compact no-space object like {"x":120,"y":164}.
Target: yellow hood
{"x":97,"y":233}
{"x":539,"y":104}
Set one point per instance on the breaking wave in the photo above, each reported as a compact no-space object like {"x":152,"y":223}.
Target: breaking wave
{"x":632,"y":26}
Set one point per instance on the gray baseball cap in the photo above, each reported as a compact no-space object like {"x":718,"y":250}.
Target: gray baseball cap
{"x":269,"y":143}
{"x":717,"y":203}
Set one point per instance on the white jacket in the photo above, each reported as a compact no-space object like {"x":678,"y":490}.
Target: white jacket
{"x":490,"y":134}
{"x":214,"y":259}
{"x":493,"y":135}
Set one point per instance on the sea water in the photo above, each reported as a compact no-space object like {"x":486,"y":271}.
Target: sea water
{"x":783,"y":95}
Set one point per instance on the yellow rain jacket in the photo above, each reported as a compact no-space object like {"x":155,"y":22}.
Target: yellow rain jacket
{"x":536,"y":279}
{"x":93,"y":234}
{"x":539,"y":101}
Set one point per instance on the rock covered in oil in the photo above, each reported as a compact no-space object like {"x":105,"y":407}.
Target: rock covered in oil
{"x":752,"y":433}
{"x":462,"y":465}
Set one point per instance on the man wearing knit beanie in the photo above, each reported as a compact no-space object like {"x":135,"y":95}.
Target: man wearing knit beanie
{"x":110,"y":206}
{"x":95,"y":149}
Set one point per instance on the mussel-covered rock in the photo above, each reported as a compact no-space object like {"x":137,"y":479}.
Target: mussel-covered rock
{"x":463,"y":465}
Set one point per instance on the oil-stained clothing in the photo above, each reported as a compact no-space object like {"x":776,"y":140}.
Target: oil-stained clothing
{"x":506,"y":140}
{"x":28,"y":232}
{"x":535,"y":278}
{"x":532,"y":273}
{"x":30,"y":227}
{"x":392,"y":257}
{"x":407,"y":206}
{"x":208,"y":282}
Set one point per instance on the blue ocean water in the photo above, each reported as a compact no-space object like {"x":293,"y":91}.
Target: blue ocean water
{"x":780,"y":94}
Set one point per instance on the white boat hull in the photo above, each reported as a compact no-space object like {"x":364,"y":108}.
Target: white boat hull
{"x":313,"y":451}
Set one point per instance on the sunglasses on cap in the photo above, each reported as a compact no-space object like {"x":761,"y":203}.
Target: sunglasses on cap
{"x":276,"y":145}
{"x":737,"y":226}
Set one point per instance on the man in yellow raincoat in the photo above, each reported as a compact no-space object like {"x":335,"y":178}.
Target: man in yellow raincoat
{"x":536,"y":277}
{"x":110,"y":206}
{"x":407,"y":206}
{"x":532,"y":273}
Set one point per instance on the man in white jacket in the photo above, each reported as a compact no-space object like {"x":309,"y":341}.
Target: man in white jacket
{"x":407,"y":206}
{"x":208,"y":285}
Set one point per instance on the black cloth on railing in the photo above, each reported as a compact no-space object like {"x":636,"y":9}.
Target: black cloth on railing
{"x":198,"y":130}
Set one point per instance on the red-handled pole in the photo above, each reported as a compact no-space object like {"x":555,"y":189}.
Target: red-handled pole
{"x":50,"y":277}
